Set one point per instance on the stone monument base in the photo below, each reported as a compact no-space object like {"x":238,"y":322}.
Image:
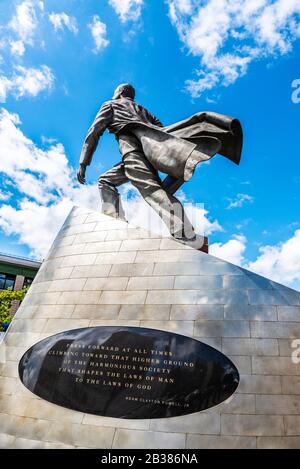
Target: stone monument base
{"x":104,"y":272}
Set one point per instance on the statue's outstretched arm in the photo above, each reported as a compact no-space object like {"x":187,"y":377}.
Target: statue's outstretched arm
{"x":100,"y":124}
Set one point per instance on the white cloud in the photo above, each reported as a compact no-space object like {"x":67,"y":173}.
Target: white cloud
{"x":280,"y":262}
{"x":36,"y":173}
{"x":99,"y":33}
{"x":62,"y":20}
{"x":184,"y":6}
{"x":4,"y":88}
{"x":31,"y":81}
{"x":228,"y":35}
{"x":5,"y":195}
{"x":240,"y":200}
{"x":34,"y":224}
{"x":26,"y":82}
{"x":232,"y":251}
{"x":17,"y":47}
{"x":24,"y":24}
{"x":127,"y":9}
{"x":45,"y":185}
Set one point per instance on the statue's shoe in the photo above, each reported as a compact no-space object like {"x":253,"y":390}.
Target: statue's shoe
{"x":196,"y":242}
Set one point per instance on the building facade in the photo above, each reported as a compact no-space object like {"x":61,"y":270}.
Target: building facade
{"x":16,"y":273}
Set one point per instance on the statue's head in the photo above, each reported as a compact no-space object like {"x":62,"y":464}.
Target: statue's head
{"x":125,"y":90}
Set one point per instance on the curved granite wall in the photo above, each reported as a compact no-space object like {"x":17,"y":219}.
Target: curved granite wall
{"x":102,"y":271}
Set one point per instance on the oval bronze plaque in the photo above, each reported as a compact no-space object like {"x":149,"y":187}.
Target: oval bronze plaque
{"x":128,"y":372}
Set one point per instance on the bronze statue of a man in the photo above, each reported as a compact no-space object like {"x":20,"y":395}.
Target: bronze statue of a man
{"x":147,"y":147}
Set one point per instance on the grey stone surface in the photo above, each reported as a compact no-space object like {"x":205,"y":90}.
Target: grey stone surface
{"x":140,"y":245}
{"x":292,"y":424}
{"x":91,"y":271}
{"x":79,"y":298}
{"x":25,"y":443}
{"x":148,"y":440}
{"x":49,"y":311}
{"x":107,"y":246}
{"x":90,"y":436}
{"x":237,"y":404}
{"x":150,"y":283}
{"x":131,"y":270}
{"x":290,"y":385}
{"x":279,"y":366}
{"x":6,"y":441}
{"x":289,"y":313}
{"x":180,"y":265}
{"x":220,"y":442}
{"x":96,"y":312}
{"x":179,"y":327}
{"x":250,"y":347}
{"x":257,"y":384}
{"x":145,"y":312}
{"x":279,"y":330}
{"x":93,"y":237}
{"x":115,"y":257}
{"x":172,"y":297}
{"x":243,"y":363}
{"x":198,"y":282}
{"x":250,"y":312}
{"x":137,"y":424}
{"x":247,"y":281}
{"x":118,"y":322}
{"x":97,"y":284}
{"x":67,"y":285}
{"x":197,"y":312}
{"x":122,"y":297}
{"x":282,"y":442}
{"x":39,"y":409}
{"x":222,"y":329}
{"x":54,"y":326}
{"x":252,"y":425}
{"x":200,"y":423}
{"x":20,"y":426}
{"x":273,"y":297}
{"x":278,"y":405}
{"x":289,"y":346}
{"x":102,"y":271}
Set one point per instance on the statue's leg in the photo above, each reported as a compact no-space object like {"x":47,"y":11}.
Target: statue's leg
{"x":145,"y":178}
{"x":108,"y":183}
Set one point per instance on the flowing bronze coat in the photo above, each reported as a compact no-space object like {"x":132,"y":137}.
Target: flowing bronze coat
{"x":170,"y":149}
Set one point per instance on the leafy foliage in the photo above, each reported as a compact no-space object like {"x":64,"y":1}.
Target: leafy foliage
{"x":6,"y":299}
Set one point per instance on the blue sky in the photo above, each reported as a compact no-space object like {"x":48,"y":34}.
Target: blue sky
{"x":59,"y":60}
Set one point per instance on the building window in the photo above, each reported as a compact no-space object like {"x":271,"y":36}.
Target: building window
{"x":7,"y":281}
{"x":27,"y":282}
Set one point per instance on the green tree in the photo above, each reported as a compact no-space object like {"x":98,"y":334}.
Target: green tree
{"x":6,"y":299}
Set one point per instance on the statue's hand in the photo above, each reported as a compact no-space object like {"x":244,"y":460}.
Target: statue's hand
{"x":81,"y":174}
